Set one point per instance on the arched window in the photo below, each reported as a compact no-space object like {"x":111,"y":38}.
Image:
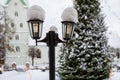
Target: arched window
{"x":38,"y":53}
{"x":16,"y":13}
{"x":12,"y":25}
{"x":17,"y":49}
{"x":21,"y":25}
{"x":118,"y":55}
{"x":15,"y":4}
{"x":17,"y":37}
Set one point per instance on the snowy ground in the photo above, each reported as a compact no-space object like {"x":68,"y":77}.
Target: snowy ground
{"x":116,"y":76}
{"x":37,"y":75}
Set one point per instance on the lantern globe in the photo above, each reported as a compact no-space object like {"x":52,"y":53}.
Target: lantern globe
{"x":67,"y":29}
{"x":35,"y":28}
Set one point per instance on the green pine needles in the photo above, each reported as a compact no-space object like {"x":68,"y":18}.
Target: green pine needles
{"x":85,"y":57}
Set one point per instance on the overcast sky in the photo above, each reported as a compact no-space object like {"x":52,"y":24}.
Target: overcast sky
{"x":111,"y":9}
{"x":112,"y":13}
{"x":54,"y":8}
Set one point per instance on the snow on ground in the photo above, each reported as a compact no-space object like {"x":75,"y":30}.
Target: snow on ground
{"x":116,"y":76}
{"x":35,"y":75}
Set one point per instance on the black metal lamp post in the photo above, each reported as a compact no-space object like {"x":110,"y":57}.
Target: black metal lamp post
{"x":51,"y":39}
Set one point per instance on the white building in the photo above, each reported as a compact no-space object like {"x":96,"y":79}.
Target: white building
{"x":17,"y":11}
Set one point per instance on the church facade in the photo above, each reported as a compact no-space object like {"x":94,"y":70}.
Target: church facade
{"x":17,"y":11}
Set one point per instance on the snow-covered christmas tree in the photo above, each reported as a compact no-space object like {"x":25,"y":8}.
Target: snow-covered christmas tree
{"x":85,"y":57}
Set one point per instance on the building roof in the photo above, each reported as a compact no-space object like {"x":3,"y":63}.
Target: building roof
{"x":22,"y":1}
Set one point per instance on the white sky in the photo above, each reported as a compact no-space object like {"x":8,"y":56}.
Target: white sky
{"x":112,"y":13}
{"x":111,"y":9}
{"x":54,"y":8}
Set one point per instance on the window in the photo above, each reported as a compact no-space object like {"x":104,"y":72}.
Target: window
{"x":17,"y":37}
{"x":17,"y":49}
{"x":15,"y":3}
{"x":16,"y":13}
{"x":38,"y":53}
{"x":118,"y":54}
{"x":12,"y":25}
{"x":21,"y":25}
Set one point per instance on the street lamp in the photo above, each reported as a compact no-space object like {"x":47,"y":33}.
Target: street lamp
{"x":36,"y":16}
{"x":35,"y":27}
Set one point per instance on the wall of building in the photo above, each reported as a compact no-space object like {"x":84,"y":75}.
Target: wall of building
{"x":17,"y":12}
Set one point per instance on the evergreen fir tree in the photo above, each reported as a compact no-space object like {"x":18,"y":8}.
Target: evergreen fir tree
{"x":85,"y":57}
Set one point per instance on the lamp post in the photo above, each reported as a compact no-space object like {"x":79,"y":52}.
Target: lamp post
{"x":35,"y":23}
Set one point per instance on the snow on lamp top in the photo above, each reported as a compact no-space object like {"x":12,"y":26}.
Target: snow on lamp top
{"x":53,"y":28}
{"x":70,"y":14}
{"x":36,"y":12}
